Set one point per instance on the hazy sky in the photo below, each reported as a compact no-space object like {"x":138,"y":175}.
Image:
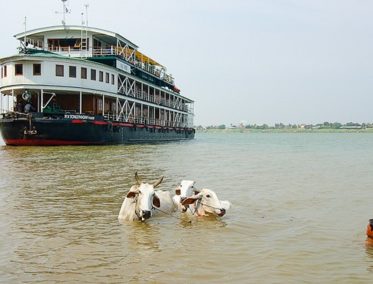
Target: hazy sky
{"x":259,"y":61}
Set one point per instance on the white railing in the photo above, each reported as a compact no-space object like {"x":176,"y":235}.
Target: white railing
{"x":152,"y":69}
{"x":147,"y":121}
{"x":155,"y":99}
{"x":77,"y":51}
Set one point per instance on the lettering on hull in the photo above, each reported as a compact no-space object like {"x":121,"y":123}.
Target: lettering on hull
{"x":79,"y":116}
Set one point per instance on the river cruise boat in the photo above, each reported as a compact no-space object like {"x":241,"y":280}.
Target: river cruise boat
{"x":78,"y":85}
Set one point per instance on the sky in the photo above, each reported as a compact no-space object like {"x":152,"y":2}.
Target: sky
{"x":251,"y":61}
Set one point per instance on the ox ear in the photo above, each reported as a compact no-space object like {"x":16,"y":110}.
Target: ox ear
{"x":131,"y":194}
{"x":158,"y":182}
{"x":156,"y":201}
{"x":138,"y":180}
{"x":178,"y":190}
{"x":189,"y":200}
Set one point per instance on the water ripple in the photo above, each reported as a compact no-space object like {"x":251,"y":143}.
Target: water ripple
{"x":300,"y":204}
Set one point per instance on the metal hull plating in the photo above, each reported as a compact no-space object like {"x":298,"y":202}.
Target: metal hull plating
{"x":54,"y":132}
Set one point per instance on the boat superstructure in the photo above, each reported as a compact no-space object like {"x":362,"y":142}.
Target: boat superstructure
{"x":83,"y":85}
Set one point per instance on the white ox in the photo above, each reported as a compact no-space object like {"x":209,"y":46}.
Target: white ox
{"x":184,"y":190}
{"x":206,"y":202}
{"x":142,"y":201}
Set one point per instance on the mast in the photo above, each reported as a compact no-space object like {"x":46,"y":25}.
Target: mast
{"x":86,"y":13}
{"x":65,"y":10}
{"x":25,"y":23}
{"x":84,"y":33}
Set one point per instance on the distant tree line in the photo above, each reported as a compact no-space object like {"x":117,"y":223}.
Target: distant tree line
{"x":325,"y":125}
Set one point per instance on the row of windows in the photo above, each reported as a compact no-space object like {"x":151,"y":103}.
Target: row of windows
{"x":60,"y":72}
{"x":18,"y":70}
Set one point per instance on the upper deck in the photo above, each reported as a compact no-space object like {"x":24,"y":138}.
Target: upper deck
{"x":92,"y":43}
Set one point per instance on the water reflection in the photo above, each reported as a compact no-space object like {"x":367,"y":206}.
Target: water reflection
{"x":141,"y":237}
{"x":206,"y":222}
{"x":369,"y":254}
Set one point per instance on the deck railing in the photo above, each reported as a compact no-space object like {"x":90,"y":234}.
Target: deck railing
{"x":149,"y":68}
{"x":142,"y":95}
{"x":145,"y":120}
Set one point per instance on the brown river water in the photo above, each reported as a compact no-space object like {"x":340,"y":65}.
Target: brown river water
{"x":300,"y":206}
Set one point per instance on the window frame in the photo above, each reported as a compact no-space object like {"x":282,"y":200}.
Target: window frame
{"x":34,"y":71}
{"x":60,"y":70}
{"x":93,"y":74}
{"x":83,"y":73}
{"x":72,"y":71}
{"x":18,"y":72}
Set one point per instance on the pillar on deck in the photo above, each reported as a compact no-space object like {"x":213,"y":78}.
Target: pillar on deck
{"x":80,"y":102}
{"x":103,"y":105}
{"x":1,"y":102}
{"x":13,"y":100}
{"x":41,"y":100}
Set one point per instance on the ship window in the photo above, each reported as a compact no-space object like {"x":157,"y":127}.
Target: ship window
{"x":101,"y":76}
{"x":19,"y":69}
{"x":107,"y":75}
{"x":84,"y":73}
{"x":112,"y":79}
{"x":72,"y":71}
{"x":93,"y":74}
{"x":36,"y":69}
{"x":59,"y":70}
{"x":5,"y":71}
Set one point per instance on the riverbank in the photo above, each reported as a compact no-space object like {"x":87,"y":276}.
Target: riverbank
{"x":285,"y":130}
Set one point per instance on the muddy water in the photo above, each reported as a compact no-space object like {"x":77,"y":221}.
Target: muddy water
{"x":300,"y":204}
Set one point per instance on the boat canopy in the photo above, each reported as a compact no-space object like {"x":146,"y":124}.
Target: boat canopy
{"x":65,"y":36}
{"x":145,"y":59}
{"x":68,"y":31}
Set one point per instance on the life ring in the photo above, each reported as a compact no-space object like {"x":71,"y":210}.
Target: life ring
{"x":26,"y":96}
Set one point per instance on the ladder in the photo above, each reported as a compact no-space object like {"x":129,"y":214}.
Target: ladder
{"x":84,"y":43}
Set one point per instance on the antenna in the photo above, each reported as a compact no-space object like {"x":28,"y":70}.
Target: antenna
{"x":82,"y":14}
{"x":25,"y":23}
{"x":86,"y":13}
{"x":84,"y":32}
{"x":65,"y":11}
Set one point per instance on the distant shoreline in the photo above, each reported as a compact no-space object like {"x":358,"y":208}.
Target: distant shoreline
{"x":286,"y":130}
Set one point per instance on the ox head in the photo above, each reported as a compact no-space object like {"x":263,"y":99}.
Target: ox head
{"x":206,"y":201}
{"x":145,"y":197}
{"x":184,"y":190}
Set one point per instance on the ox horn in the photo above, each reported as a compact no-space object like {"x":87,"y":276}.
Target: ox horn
{"x":138,"y":180}
{"x":158,"y":182}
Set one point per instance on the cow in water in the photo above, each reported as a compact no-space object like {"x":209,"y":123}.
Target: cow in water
{"x":183,"y":191}
{"x":143,"y":201}
{"x":205,"y":202}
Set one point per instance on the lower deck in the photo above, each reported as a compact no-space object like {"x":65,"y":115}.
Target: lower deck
{"x":56,"y":103}
{"x":36,"y":129}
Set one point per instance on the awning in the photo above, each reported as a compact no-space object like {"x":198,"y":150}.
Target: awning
{"x":145,"y":59}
